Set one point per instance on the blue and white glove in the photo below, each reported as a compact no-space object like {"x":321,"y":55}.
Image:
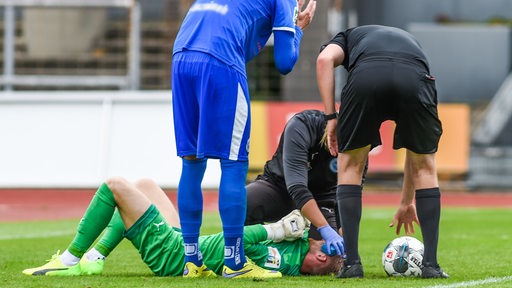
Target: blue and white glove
{"x":333,"y":240}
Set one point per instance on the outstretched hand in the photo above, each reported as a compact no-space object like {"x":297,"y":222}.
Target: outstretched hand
{"x":304,"y":17}
{"x":405,"y":215}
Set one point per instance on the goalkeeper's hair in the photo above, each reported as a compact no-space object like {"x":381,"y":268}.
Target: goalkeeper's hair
{"x":323,"y":141}
{"x":335,"y":264}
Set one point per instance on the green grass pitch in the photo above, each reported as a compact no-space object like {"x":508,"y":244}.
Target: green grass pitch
{"x":475,"y":249}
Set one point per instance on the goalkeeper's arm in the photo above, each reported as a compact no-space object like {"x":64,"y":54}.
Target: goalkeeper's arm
{"x":290,"y":227}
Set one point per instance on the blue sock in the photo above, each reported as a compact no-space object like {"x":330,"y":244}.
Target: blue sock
{"x":190,"y":207}
{"x":232,"y":208}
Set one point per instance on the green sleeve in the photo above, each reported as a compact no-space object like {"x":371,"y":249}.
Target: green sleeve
{"x":285,"y":256}
{"x":254,"y":234}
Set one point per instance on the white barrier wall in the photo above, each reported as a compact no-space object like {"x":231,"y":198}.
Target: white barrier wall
{"x":78,"y":139}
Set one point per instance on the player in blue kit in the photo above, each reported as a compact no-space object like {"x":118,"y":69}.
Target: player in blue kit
{"x":212,"y":109}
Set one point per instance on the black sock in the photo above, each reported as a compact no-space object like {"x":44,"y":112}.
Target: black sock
{"x":349,"y":201}
{"x":428,"y":207}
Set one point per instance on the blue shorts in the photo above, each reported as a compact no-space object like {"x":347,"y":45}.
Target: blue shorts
{"x":211,"y":108}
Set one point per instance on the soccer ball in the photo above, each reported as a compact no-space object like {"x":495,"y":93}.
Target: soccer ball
{"x":403,"y":257}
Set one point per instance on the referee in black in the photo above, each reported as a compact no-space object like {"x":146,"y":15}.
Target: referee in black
{"x":388,"y":79}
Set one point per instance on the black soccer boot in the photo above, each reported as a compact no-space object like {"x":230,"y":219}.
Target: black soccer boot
{"x":430,"y":270}
{"x":351,"y":271}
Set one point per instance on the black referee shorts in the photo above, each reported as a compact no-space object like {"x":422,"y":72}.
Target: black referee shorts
{"x":389,"y":88}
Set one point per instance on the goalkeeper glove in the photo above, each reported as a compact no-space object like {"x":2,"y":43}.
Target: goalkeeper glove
{"x":289,"y":228}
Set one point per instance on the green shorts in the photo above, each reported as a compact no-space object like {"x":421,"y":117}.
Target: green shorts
{"x":160,"y":245}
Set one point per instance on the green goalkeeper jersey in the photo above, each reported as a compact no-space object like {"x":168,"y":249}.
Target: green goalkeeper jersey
{"x":286,"y":256}
{"x":161,"y":247}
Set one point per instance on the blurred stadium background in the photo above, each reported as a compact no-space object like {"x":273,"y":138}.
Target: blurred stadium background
{"x":85,"y":89}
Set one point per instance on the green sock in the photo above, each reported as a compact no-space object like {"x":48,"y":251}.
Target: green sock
{"x":114,"y":234}
{"x":96,"y":218}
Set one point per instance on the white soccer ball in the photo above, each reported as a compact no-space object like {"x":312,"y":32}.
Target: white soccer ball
{"x":403,"y":257}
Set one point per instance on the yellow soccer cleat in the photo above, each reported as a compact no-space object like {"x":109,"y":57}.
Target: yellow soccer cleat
{"x":193,"y":271}
{"x":54,"y":267}
{"x":250,"y":270}
{"x":88,"y":267}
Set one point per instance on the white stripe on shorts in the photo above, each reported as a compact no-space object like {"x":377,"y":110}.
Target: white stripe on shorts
{"x":242,"y":113}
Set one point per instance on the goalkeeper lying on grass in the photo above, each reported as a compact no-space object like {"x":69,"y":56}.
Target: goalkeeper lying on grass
{"x":147,"y":218}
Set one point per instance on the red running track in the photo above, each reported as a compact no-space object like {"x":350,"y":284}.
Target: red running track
{"x":52,"y":204}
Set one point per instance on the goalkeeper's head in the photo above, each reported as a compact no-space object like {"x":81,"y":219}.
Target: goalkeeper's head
{"x":317,"y":262}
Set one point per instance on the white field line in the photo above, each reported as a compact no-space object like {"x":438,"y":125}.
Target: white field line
{"x":37,"y":235}
{"x":475,"y":282}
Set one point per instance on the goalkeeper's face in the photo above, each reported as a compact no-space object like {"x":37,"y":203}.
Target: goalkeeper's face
{"x":319,"y":263}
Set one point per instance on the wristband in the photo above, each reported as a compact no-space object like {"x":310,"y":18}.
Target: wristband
{"x":328,"y":117}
